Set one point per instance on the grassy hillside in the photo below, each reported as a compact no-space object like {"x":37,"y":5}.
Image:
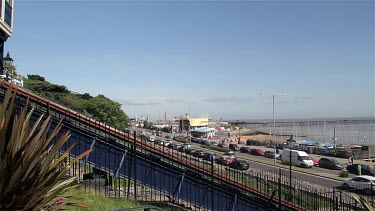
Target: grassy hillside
{"x":99,"y":107}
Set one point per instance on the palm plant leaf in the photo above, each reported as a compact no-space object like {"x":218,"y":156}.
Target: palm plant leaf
{"x":361,"y":200}
{"x":30,"y":173}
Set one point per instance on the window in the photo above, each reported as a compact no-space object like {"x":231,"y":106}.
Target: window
{"x":357,"y":179}
{"x":8,"y":13}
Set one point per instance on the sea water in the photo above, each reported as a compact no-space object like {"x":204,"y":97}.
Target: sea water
{"x":345,"y":131}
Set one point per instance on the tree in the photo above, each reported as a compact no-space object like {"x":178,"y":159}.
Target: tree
{"x":36,"y":77}
{"x":107,"y":111}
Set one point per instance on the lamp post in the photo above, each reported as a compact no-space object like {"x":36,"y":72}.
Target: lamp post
{"x":358,"y":137}
{"x":7,"y":64}
{"x":274,"y":122}
{"x":290,"y":144}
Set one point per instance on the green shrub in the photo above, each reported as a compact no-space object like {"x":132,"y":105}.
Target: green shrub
{"x":343,"y":173}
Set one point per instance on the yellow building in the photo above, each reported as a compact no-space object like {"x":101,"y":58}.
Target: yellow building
{"x":198,"y":122}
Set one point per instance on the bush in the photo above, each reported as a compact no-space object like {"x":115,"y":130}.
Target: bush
{"x":287,"y":163}
{"x":343,"y":173}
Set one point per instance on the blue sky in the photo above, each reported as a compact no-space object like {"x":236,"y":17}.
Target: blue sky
{"x":212,"y":56}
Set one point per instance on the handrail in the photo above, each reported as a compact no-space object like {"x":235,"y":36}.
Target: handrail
{"x":145,"y":207}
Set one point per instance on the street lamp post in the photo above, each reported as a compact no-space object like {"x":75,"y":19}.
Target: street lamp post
{"x":7,"y":63}
{"x":290,"y":144}
{"x":274,"y":122}
{"x":358,"y":137}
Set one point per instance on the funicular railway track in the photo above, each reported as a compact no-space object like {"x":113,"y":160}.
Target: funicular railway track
{"x":180,"y":164}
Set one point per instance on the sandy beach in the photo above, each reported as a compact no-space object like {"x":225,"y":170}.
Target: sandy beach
{"x":246,"y":134}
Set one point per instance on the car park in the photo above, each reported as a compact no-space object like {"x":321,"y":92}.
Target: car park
{"x":365,"y":183}
{"x":245,"y":149}
{"x":257,"y":152}
{"x":365,"y":170}
{"x":234,"y":147}
{"x":239,"y":164}
{"x":330,"y":163}
{"x":225,"y":160}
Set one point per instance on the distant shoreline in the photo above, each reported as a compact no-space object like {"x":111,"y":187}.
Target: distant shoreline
{"x":266,"y":121}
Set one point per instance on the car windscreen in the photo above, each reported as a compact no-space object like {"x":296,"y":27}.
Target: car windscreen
{"x":305,"y":158}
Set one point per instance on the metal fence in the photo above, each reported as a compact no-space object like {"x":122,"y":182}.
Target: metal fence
{"x":128,"y":166}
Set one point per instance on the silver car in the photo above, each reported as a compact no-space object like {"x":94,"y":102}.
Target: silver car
{"x":365,"y":183}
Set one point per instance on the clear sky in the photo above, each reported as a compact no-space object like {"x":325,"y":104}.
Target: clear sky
{"x":212,"y":56}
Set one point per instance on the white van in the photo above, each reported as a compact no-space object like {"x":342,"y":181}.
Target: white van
{"x":299,"y":158}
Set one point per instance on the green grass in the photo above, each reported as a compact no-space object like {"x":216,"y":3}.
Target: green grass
{"x":98,"y":203}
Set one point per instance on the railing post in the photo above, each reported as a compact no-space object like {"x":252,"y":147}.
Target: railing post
{"x":135,"y":166}
{"x":212,"y":185}
{"x":279,"y":188}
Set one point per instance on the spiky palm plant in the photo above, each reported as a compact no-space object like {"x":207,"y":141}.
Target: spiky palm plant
{"x":365,"y":204}
{"x":31,"y":175}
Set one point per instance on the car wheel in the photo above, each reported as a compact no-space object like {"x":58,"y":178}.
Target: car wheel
{"x":345,"y":186}
{"x":368,"y":191}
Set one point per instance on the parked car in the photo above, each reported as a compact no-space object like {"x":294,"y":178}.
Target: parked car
{"x":195,"y":140}
{"x":225,"y":160}
{"x":366,"y":169}
{"x":205,"y":142}
{"x":365,"y":183}
{"x":210,"y":156}
{"x":245,"y":149}
{"x":239,"y":164}
{"x":199,"y":153}
{"x":257,"y":152}
{"x":298,"y":158}
{"x":234,"y":147}
{"x":190,"y":151}
{"x":167,"y":142}
{"x":213,"y":143}
{"x":230,"y":154}
{"x":270,"y":154}
{"x":315,"y":162}
{"x":151,"y":138}
{"x":167,"y":136}
{"x":330,"y":163}
{"x":222,"y":145}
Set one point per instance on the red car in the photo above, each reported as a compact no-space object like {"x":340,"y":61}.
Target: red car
{"x":222,"y":145}
{"x":225,"y":160}
{"x":257,"y":152}
{"x":315,"y":162}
